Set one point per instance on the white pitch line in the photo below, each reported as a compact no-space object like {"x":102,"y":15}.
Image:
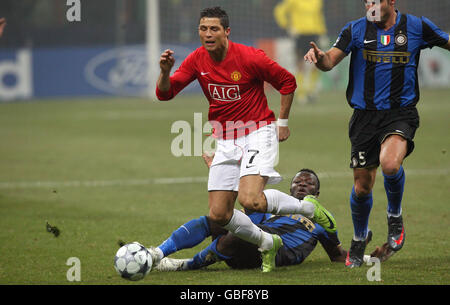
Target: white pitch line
{"x":408,"y":172}
{"x":101,"y":183}
{"x":182,"y":180}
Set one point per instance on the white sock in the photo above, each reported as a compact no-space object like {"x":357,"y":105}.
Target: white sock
{"x":355,"y":238}
{"x":241,"y":226}
{"x":279,"y":203}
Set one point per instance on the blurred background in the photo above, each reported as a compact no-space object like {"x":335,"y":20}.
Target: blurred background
{"x":106,"y":48}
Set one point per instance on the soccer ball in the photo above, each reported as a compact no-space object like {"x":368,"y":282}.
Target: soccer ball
{"x":133,"y":261}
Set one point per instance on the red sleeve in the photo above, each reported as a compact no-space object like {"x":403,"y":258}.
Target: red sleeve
{"x":182,"y":77}
{"x":271,"y":72}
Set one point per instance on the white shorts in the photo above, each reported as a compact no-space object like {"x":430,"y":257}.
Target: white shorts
{"x":253,"y":154}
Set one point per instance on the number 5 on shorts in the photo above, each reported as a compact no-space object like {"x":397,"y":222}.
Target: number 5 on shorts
{"x":362,"y":158}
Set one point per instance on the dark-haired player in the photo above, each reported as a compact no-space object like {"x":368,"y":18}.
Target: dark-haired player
{"x":232,"y":78}
{"x":383,"y":89}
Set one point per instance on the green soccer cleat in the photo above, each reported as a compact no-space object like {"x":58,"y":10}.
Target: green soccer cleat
{"x":321,"y":215}
{"x":268,"y":256}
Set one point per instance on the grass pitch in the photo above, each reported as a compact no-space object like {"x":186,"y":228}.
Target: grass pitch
{"x":101,"y":170}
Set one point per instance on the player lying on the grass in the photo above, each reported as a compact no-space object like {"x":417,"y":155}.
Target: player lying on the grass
{"x":298,"y":233}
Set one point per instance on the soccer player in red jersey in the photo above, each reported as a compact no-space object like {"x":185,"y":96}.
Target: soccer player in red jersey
{"x":232,"y":78}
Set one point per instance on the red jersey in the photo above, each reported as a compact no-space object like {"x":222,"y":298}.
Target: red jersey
{"x":234,"y":87}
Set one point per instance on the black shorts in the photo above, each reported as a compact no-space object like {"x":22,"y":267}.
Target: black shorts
{"x":369,"y":128}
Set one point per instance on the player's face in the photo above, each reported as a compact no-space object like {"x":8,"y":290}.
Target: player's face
{"x":303,"y":184}
{"x":213,"y":36}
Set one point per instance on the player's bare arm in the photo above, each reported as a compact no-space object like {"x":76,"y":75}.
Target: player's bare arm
{"x":338,"y":255}
{"x":166,"y":62}
{"x":286,"y":102}
{"x":2,"y":25}
{"x":324,"y":61}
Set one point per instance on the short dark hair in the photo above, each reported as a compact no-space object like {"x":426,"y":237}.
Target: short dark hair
{"x":216,"y":12}
{"x":307,"y":170}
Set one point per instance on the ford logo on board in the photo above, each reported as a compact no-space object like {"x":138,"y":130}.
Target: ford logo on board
{"x":124,"y":71}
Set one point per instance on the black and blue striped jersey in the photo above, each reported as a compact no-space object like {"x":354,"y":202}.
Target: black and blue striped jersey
{"x":383,"y":64}
{"x":299,"y":236}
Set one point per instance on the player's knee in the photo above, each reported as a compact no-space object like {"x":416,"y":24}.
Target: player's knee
{"x":219,"y":218}
{"x":251,"y":202}
{"x":362,"y":189}
{"x":390,"y":167}
{"x":215,"y":228}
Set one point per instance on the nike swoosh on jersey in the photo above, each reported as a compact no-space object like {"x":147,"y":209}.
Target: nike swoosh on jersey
{"x":204,"y":73}
{"x":368,"y":41}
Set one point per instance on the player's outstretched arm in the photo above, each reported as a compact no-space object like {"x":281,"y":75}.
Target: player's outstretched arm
{"x":338,"y":255}
{"x":324,"y":61}
{"x":166,"y":62}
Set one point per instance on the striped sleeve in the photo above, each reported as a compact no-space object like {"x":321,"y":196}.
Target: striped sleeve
{"x":345,"y":41}
{"x":432,"y":35}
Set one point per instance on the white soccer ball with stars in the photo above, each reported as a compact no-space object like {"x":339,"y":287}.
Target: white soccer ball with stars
{"x":133,"y":261}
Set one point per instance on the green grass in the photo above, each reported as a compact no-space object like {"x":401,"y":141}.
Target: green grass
{"x":90,"y":151}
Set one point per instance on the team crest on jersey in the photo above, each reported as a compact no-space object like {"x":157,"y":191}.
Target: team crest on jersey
{"x":385,"y":39}
{"x":401,"y":39}
{"x":236,"y":76}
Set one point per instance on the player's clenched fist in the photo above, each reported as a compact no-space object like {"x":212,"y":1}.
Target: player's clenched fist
{"x":166,"y":61}
{"x":314,"y":54}
{"x":283,"y":133}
